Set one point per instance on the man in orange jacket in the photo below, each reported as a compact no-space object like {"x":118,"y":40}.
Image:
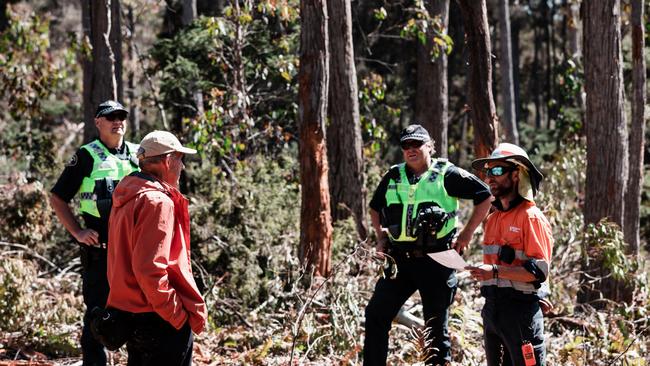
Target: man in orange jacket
{"x":149,"y":268}
{"x":517,"y":249}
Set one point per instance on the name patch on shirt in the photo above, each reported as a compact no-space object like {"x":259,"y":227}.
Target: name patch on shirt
{"x":514,"y":229}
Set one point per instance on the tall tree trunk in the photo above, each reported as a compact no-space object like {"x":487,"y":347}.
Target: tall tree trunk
{"x":535,"y":85}
{"x":507,"y":86}
{"x":345,"y":146}
{"x":103,"y":71}
{"x":210,"y":8}
{"x":132,"y":65}
{"x":481,"y":102}
{"x":607,"y":156}
{"x":313,"y":79}
{"x":431,"y":99}
{"x":4,"y":18}
{"x":517,"y":19}
{"x":189,"y":14}
{"x":637,"y":129}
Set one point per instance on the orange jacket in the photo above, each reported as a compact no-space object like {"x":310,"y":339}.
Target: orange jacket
{"x":528,"y":232}
{"x":149,"y":267}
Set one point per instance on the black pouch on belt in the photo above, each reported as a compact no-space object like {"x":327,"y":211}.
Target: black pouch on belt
{"x":111,"y":327}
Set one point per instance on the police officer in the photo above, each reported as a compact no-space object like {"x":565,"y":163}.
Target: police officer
{"x":413,"y":212}
{"x":517,"y":249}
{"x":92,"y":173}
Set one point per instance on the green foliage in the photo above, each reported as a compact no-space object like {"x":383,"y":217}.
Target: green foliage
{"x":30,"y":74}
{"x":566,"y":108}
{"x":603,"y":243}
{"x":245,"y":64}
{"x":420,"y":24}
{"x":246,"y":229}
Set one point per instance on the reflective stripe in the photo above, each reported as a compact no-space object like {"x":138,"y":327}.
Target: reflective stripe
{"x":87,"y":196}
{"x":494,"y":249}
{"x":524,"y":287}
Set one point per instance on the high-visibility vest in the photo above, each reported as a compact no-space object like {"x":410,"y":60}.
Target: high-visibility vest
{"x":108,"y":167}
{"x":430,"y":189}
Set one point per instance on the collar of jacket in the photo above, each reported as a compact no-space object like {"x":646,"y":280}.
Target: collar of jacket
{"x":514,"y":203}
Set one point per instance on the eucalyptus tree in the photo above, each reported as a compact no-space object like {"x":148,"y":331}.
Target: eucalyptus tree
{"x":344,"y":142}
{"x":637,"y":129}
{"x":102,"y":65}
{"x":606,"y":130}
{"x":479,"y":80}
{"x":313,"y":76}
{"x":432,"y":99}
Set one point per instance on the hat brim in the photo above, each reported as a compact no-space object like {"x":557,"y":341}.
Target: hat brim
{"x":186,"y":150}
{"x":535,"y":175}
{"x":415,"y":137}
{"x":110,"y":110}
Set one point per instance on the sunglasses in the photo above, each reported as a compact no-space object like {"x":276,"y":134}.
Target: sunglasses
{"x":115,"y":117}
{"x":411,"y":145}
{"x":497,"y":171}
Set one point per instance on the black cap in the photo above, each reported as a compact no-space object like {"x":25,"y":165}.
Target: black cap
{"x":414,"y":132}
{"x":109,"y":107}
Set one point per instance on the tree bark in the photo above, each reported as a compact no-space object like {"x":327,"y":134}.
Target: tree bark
{"x":431,"y":98}
{"x":481,"y":101}
{"x":607,"y":156}
{"x":132,"y":65}
{"x":637,"y":130}
{"x":345,"y":146}
{"x":606,"y":125}
{"x":313,"y":79}
{"x":507,"y":86}
{"x":4,"y":18}
{"x":102,"y":72}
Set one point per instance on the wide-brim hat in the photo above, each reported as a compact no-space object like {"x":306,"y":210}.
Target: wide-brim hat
{"x":108,"y":107}
{"x":512,"y":154}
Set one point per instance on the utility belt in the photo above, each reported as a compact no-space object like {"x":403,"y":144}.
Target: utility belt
{"x":422,"y":246}
{"x":506,"y":294}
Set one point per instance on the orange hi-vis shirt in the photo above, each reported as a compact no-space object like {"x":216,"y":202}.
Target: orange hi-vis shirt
{"x":149,"y":268}
{"x":526,"y":229}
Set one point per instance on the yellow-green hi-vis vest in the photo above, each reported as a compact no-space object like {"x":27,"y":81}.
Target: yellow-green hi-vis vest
{"x":429,"y":189}
{"x":105,"y":165}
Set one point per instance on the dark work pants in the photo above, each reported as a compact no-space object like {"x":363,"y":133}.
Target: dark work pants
{"x":156,"y":342}
{"x":507,"y":323}
{"x":95,"y":293}
{"x":437,"y":286}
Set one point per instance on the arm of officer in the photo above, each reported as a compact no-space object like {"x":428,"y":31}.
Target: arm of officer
{"x":382,"y":238}
{"x":478,"y":214}
{"x":67,"y":218}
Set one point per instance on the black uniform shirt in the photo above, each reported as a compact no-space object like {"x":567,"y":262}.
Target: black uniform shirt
{"x":76,"y":169}
{"x":458,"y":182}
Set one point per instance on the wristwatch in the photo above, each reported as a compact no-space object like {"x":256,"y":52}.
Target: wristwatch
{"x":495,"y":271}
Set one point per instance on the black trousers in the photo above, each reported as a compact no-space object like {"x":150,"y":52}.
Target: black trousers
{"x":95,"y":293}
{"x":507,"y":323}
{"x":437,"y":287}
{"x":156,"y":342}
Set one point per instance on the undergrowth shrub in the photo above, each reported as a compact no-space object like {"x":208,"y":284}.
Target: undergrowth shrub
{"x":37,"y":312}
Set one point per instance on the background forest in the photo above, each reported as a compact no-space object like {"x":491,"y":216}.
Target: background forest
{"x":228,"y":78}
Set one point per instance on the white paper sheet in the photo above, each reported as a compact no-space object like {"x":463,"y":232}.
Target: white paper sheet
{"x":449,"y":258}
